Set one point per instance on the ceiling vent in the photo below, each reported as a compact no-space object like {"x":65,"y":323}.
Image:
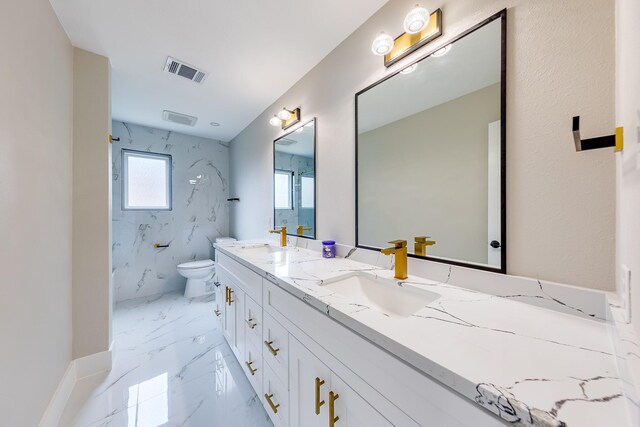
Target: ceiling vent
{"x":181,"y":119}
{"x":179,"y":68}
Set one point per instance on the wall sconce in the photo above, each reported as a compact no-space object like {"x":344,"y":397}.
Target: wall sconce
{"x":285,"y":118}
{"x":420,"y":27}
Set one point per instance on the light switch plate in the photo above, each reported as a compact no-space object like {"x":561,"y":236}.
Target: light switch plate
{"x":626,"y":293}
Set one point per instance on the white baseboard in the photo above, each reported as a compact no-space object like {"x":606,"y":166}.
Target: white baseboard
{"x":77,"y":369}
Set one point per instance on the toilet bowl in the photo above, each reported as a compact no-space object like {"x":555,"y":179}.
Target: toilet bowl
{"x":198,"y":274}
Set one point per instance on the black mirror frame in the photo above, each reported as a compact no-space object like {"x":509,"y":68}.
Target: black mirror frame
{"x":315,"y":175}
{"x":502,"y":16}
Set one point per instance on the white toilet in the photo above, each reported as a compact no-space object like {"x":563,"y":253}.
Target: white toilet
{"x":198,"y":274}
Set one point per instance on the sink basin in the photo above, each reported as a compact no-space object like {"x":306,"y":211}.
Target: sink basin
{"x":260,"y":250}
{"x":381,"y":294}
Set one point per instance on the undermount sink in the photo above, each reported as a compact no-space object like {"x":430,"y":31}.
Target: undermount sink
{"x":381,"y":294}
{"x":260,"y":249}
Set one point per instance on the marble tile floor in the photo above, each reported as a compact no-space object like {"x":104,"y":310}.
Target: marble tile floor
{"x":172,"y":367}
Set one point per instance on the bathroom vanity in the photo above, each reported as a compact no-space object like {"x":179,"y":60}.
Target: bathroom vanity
{"x":335,"y":342}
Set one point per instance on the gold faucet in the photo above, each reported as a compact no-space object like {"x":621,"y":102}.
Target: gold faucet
{"x":283,"y":235}
{"x":420,"y":247}
{"x":399,"y":249}
{"x":302,"y":229}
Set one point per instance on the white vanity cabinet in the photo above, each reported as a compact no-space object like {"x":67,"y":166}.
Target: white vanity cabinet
{"x":306,"y":367}
{"x":317,"y":395}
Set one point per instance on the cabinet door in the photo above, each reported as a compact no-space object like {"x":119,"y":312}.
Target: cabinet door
{"x":238,"y":307}
{"x":308,"y":387}
{"x":229,"y":313}
{"x":218,"y":309}
{"x":349,"y":409}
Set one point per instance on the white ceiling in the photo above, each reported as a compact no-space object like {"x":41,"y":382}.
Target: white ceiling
{"x":253,"y":50}
{"x":472,"y":64}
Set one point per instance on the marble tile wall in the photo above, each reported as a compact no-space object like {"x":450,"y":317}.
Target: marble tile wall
{"x":200,"y":211}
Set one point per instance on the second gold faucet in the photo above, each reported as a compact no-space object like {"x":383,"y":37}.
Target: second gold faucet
{"x":283,"y":235}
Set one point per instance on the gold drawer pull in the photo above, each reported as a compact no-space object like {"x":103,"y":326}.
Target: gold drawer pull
{"x":226,"y":294}
{"x":273,"y":351}
{"x":319,"y":402}
{"x":230,"y":296}
{"x":274,"y":408}
{"x":332,"y":410}
{"x":252,"y":370}
{"x":217,"y":312}
{"x":251,"y":325}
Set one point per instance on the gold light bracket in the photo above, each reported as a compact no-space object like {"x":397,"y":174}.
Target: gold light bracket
{"x":409,"y":43}
{"x":295,"y":118}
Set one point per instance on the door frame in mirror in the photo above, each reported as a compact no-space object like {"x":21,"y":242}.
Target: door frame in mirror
{"x":315,"y":179}
{"x":502,"y":16}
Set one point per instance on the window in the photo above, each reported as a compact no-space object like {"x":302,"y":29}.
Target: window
{"x":307,"y":192}
{"x":146,"y":181}
{"x":283,"y":189}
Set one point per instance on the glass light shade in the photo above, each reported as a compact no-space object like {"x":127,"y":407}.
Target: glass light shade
{"x":284,"y":114}
{"x":275,"y":121}
{"x":410,"y":69}
{"x":416,"y":20}
{"x":442,"y":52}
{"x":382,"y":44}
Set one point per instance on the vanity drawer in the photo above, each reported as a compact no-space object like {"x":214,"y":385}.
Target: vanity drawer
{"x":275,"y":398}
{"x":253,"y":322}
{"x":253,"y":366}
{"x":249,"y":281}
{"x":275,"y":339}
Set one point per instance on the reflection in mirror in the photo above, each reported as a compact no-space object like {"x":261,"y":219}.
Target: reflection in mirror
{"x":430,"y":154}
{"x":295,"y":181}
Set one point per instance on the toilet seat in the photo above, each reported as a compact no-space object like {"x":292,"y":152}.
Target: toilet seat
{"x":205,"y":263}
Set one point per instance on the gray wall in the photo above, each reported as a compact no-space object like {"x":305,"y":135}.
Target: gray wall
{"x":427,"y":175}
{"x":558,"y":67}
{"x":628,"y":164}
{"x":92,"y":299}
{"x":199,"y":214}
{"x":36,"y":113}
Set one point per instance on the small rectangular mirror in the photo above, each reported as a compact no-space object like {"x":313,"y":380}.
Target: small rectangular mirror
{"x":294,"y":181}
{"x":430,"y":153}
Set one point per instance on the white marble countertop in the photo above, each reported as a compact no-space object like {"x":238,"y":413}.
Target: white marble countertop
{"x":529,"y":365}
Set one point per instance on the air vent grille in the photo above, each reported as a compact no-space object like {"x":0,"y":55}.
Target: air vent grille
{"x":181,"y":69}
{"x":286,"y":141}
{"x":182,"y":119}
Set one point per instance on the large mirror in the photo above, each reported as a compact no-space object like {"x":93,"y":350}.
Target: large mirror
{"x":294,"y":181}
{"x":430,"y":144}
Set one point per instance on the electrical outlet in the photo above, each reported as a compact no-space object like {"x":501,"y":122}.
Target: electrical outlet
{"x":626,"y":293}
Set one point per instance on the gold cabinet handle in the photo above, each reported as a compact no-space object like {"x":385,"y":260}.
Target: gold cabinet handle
{"x":274,"y":408}
{"x":251,"y":325}
{"x":230,"y":296}
{"x":217,"y":312}
{"x":332,"y":409}
{"x":273,"y":351}
{"x":226,"y":294}
{"x":319,"y":402}
{"x":252,"y":370}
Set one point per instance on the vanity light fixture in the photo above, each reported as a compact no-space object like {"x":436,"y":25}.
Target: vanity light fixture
{"x":275,"y":121}
{"x":284,"y":114}
{"x":421,"y":28}
{"x":382,"y":44}
{"x":441,"y":52}
{"x":410,"y":69}
{"x":416,"y":20}
{"x":285,"y":118}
